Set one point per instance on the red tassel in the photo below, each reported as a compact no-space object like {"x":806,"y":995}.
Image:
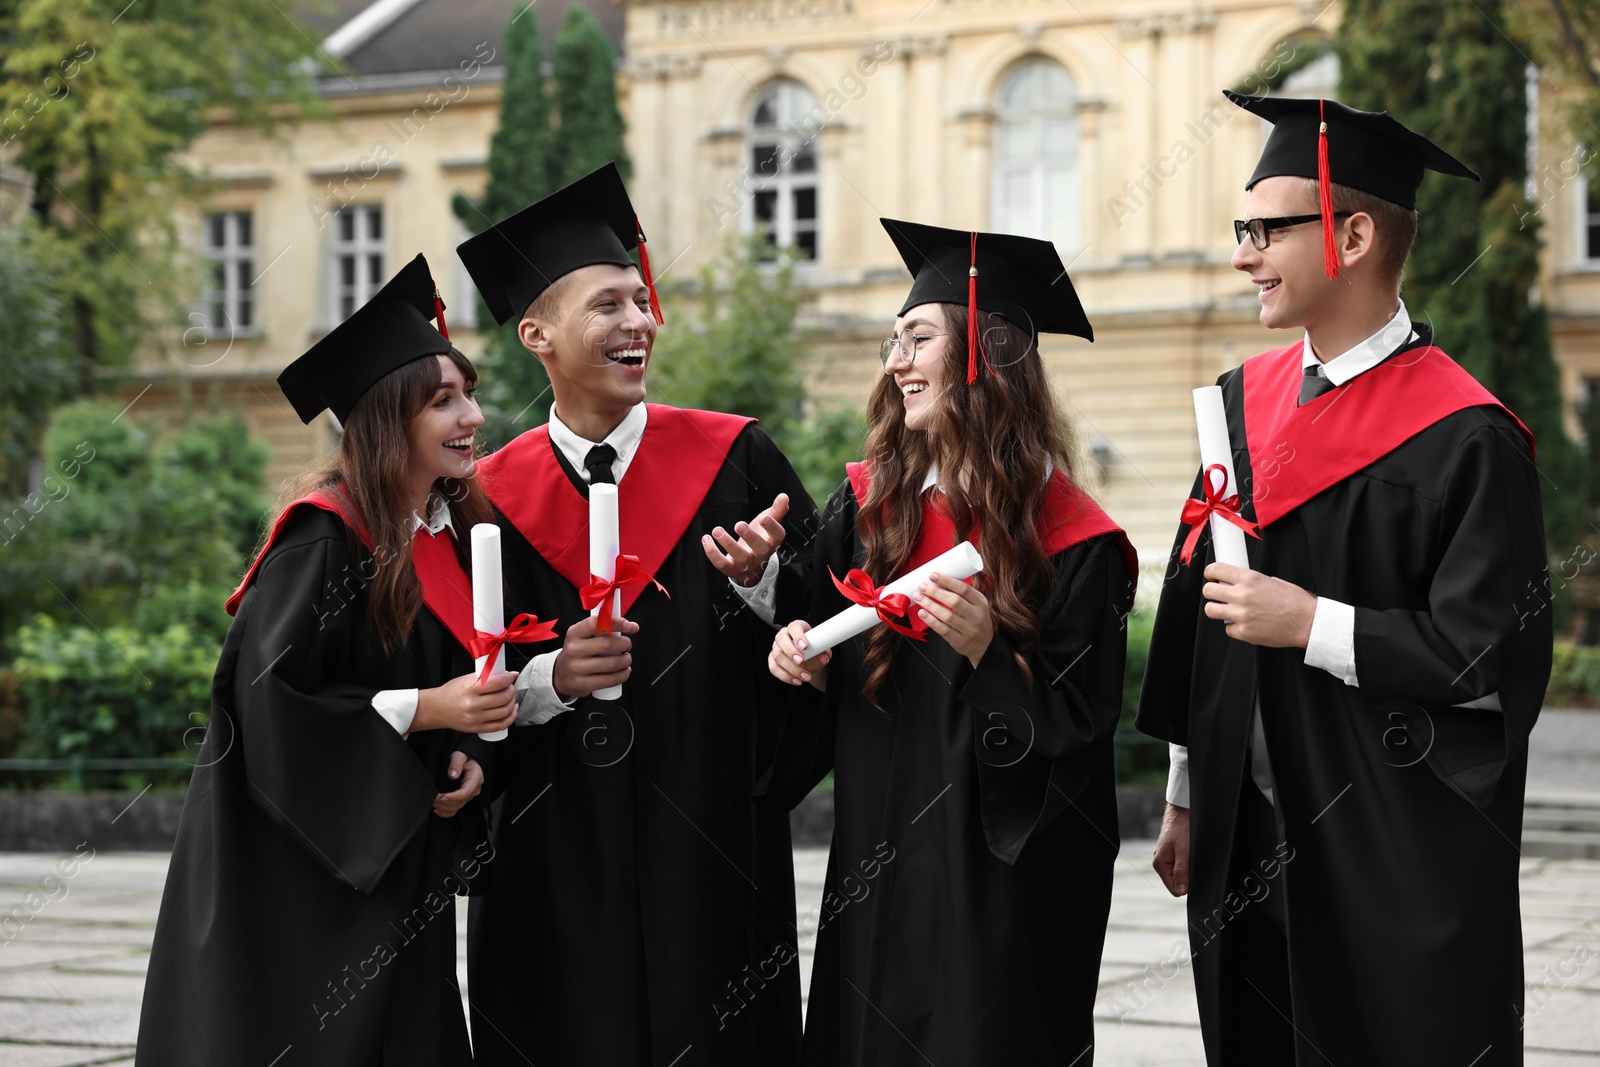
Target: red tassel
{"x":649,"y":280}
{"x":1330,"y":249}
{"x":972,"y":314}
{"x":438,"y":313}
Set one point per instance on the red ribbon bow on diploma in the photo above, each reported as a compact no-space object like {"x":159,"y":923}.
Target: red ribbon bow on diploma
{"x":524,"y":629}
{"x":1197,"y":512}
{"x":857,"y":588}
{"x":601,"y":592}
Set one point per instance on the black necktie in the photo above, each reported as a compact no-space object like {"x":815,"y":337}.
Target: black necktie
{"x":598,"y":464}
{"x":1314,"y":384}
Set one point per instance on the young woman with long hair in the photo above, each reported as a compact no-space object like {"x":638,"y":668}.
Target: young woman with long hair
{"x":970,"y":741}
{"x":309,"y":912}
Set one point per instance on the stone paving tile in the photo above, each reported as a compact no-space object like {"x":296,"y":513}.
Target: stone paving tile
{"x":13,"y":1055}
{"x":72,"y":974}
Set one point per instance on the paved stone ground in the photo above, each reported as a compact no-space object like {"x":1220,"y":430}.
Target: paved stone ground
{"x":71,"y":975}
{"x":72,"y":969}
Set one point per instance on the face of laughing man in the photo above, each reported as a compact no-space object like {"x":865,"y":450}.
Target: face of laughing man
{"x":595,"y":342}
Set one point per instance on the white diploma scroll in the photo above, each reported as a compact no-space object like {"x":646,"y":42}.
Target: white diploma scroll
{"x":1215,"y":448}
{"x":488,"y":602}
{"x":960,"y":562}
{"x":605,"y":541}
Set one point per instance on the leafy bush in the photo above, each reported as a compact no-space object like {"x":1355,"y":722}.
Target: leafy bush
{"x":117,"y":693}
{"x":132,"y":524}
{"x":1574,"y":676}
{"x":1141,"y":760}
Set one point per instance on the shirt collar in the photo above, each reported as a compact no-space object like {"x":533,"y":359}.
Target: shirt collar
{"x":1366,"y":355}
{"x":932,"y":477}
{"x":625,"y":439}
{"x":438,"y":519}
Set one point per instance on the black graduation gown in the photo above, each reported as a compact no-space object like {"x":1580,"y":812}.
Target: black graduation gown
{"x":975,"y":827}
{"x":635,"y":881}
{"x":309,"y":911}
{"x":1398,"y":813}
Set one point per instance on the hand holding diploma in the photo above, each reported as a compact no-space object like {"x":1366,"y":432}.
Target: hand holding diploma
{"x":590,"y":662}
{"x":787,"y":660}
{"x":488,"y":604}
{"x":960,"y":562}
{"x":957,"y":612}
{"x":1254,"y":607}
{"x":463,"y":705}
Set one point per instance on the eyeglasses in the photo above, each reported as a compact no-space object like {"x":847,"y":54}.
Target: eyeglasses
{"x":1258,"y":229}
{"x":906,"y":343}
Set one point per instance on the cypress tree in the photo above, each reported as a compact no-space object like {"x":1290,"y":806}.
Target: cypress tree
{"x":1450,"y":74}
{"x":515,"y":390}
{"x":590,"y":130}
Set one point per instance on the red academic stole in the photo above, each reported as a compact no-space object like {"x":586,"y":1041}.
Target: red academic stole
{"x":1299,"y":450}
{"x":1069,"y":516}
{"x":446,"y":588}
{"x":667,"y":481}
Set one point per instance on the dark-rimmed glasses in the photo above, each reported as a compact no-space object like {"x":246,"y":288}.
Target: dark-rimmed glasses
{"x":1260,"y":229}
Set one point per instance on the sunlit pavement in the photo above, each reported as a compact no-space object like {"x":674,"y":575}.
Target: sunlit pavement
{"x":73,"y":958}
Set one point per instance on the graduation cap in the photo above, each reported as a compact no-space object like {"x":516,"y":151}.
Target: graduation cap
{"x":1021,"y":279}
{"x":590,"y":221}
{"x":1366,"y":150}
{"x":384,"y":334}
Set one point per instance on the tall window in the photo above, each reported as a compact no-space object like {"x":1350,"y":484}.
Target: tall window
{"x":1036,"y":190}
{"x":357,"y":257}
{"x":782,"y":157}
{"x":230,"y":247}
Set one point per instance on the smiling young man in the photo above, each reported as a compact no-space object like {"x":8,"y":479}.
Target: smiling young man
{"x":1355,"y":704}
{"x":638,"y":896}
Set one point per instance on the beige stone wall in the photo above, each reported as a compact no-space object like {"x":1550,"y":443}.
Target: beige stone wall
{"x":410,"y":151}
{"x":908,"y":89}
{"x":911,"y":136}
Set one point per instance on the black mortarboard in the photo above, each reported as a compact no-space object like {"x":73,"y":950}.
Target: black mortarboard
{"x":1021,"y":279}
{"x":1366,"y":150}
{"x":590,"y":221}
{"x":387,"y":332}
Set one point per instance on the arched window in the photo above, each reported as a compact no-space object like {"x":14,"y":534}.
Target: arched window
{"x":782,"y":157}
{"x":1036,"y":190}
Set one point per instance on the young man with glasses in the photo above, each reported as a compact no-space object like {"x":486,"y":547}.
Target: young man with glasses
{"x":1349,"y":715}
{"x":641,"y":904}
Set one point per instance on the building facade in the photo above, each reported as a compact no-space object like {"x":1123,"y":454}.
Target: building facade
{"x":1097,"y":124}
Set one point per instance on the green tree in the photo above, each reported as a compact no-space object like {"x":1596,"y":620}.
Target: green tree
{"x":1563,"y":37}
{"x":740,"y":353}
{"x":133,"y":524}
{"x":98,"y":98}
{"x":514,"y":390}
{"x":589,"y":134}
{"x":1456,"y":79}
{"x":743,"y":353}
{"x":38,"y":364}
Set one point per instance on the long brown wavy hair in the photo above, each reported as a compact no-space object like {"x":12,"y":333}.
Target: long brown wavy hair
{"x":990,"y":441}
{"x":369,"y":474}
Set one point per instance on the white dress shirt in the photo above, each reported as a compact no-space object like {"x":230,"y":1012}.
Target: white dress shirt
{"x":1331,"y":644}
{"x":538,"y":701}
{"x":399,"y":706}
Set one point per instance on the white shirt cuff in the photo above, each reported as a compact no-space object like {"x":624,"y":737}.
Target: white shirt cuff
{"x":1332,"y":645}
{"x":762,"y":598}
{"x":397,"y":706}
{"x":1178,"y":775}
{"x":537,"y":702}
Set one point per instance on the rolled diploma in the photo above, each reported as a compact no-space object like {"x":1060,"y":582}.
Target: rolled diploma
{"x":960,"y":562}
{"x":488,"y":603}
{"x":1227,"y":539}
{"x":604,"y":543}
